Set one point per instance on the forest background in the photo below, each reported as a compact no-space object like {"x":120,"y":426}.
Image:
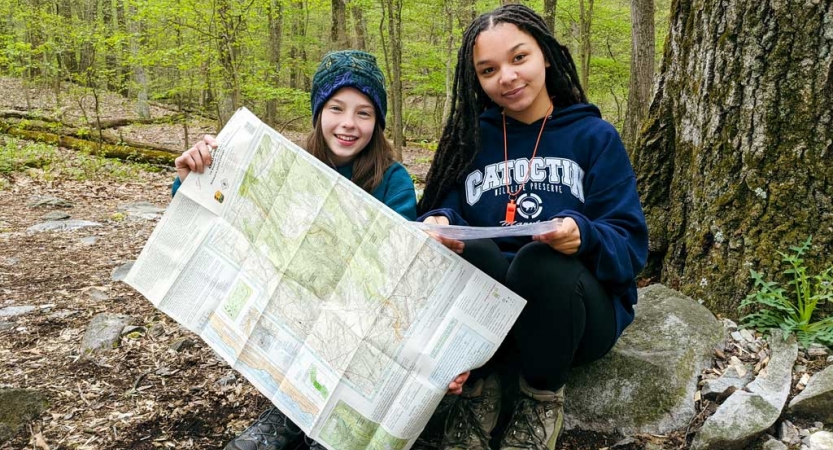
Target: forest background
{"x":213,"y":56}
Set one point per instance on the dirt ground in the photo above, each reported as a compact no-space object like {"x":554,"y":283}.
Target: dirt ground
{"x":143,"y":394}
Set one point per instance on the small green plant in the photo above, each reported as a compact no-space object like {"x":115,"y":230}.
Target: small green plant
{"x":792,"y":311}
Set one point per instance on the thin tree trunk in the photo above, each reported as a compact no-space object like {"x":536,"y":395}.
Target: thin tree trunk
{"x":359,"y":26}
{"x":296,"y":52}
{"x":586,"y":22}
{"x":136,"y":29}
{"x":338,"y":29}
{"x":735,"y":162}
{"x":275,"y":18}
{"x":642,"y":69}
{"x":549,"y":14}
{"x":394,"y":10}
{"x":448,"y":10}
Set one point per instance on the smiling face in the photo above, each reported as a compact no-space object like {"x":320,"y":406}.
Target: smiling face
{"x":512,"y":71}
{"x":347,"y":122}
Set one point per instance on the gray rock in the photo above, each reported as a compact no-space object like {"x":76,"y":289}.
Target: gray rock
{"x":646,"y":384}
{"x":816,"y":400}
{"x":120,"y":273}
{"x":142,"y":210}
{"x":181,"y":344}
{"x":730,"y":379}
{"x":104,"y":332}
{"x":788,"y":433}
{"x":745,"y":415}
{"x":63,"y":314}
{"x":14,"y":311}
{"x":61,"y":225}
{"x":48,"y":200}
{"x":729,"y":325}
{"x":89,"y":240}
{"x":227,"y":380}
{"x":8,"y":261}
{"x":6,"y":326}
{"x":747,"y":335}
{"x":773,"y":444}
{"x":97,"y":293}
{"x":821,"y":440}
{"x":55,"y":215}
{"x":817,"y":350}
{"x":156,"y":330}
{"x":18,"y":407}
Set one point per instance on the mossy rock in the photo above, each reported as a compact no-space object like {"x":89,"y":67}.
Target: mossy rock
{"x":17,"y":407}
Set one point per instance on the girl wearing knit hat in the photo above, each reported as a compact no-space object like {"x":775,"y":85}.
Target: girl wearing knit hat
{"x":349,"y":104}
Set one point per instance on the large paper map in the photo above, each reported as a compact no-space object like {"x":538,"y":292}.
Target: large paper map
{"x":347,"y":317}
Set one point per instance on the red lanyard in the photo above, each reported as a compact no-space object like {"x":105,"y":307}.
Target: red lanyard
{"x":511,"y":207}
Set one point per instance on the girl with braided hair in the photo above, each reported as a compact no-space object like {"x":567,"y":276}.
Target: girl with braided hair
{"x":523,"y":145}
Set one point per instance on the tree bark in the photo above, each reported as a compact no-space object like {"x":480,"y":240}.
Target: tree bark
{"x":642,"y":69}
{"x":360,"y":27}
{"x":228,"y":50}
{"x":137,"y":37}
{"x":394,"y":10}
{"x":67,"y":58}
{"x":297,"y":52}
{"x":586,"y":22}
{"x":735,"y":161}
{"x":275,"y":18}
{"x":338,"y":30}
{"x":549,"y":14}
{"x":448,"y":9}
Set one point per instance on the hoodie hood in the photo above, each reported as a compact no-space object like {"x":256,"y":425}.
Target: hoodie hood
{"x":560,"y":117}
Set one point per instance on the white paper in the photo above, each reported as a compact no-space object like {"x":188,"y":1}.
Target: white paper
{"x":347,"y":317}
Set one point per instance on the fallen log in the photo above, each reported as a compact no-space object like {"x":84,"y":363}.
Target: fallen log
{"x":124,"y":152}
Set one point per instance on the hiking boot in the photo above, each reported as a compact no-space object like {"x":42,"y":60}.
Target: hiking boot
{"x":271,"y":431}
{"x":432,"y":434}
{"x":473,"y":416}
{"x":537,"y":420}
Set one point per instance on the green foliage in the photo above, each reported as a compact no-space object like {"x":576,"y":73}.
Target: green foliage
{"x":792,"y":311}
{"x":45,"y":162}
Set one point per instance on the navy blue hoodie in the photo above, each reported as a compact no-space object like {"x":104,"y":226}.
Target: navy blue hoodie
{"x":581,"y":171}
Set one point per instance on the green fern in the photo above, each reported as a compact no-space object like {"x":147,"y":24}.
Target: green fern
{"x":792,"y":311}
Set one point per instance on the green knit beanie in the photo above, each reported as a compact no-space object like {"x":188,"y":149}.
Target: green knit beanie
{"x":349,"y":68}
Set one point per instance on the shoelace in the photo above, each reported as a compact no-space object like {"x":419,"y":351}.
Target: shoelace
{"x":468,"y":424}
{"x":273,"y":418}
{"x":529,"y":413}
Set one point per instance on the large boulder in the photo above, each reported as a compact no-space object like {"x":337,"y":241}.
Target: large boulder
{"x":747,"y":414}
{"x":646,"y":384}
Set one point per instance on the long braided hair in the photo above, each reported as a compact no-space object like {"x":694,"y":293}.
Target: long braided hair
{"x":460,"y":140}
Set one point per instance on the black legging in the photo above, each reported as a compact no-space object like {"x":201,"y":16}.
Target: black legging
{"x":569,"y":318}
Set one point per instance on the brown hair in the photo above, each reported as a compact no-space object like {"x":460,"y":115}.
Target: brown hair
{"x":370,"y":164}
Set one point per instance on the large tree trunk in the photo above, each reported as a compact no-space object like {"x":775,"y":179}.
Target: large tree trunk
{"x":735,"y":163}
{"x":642,"y":69}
